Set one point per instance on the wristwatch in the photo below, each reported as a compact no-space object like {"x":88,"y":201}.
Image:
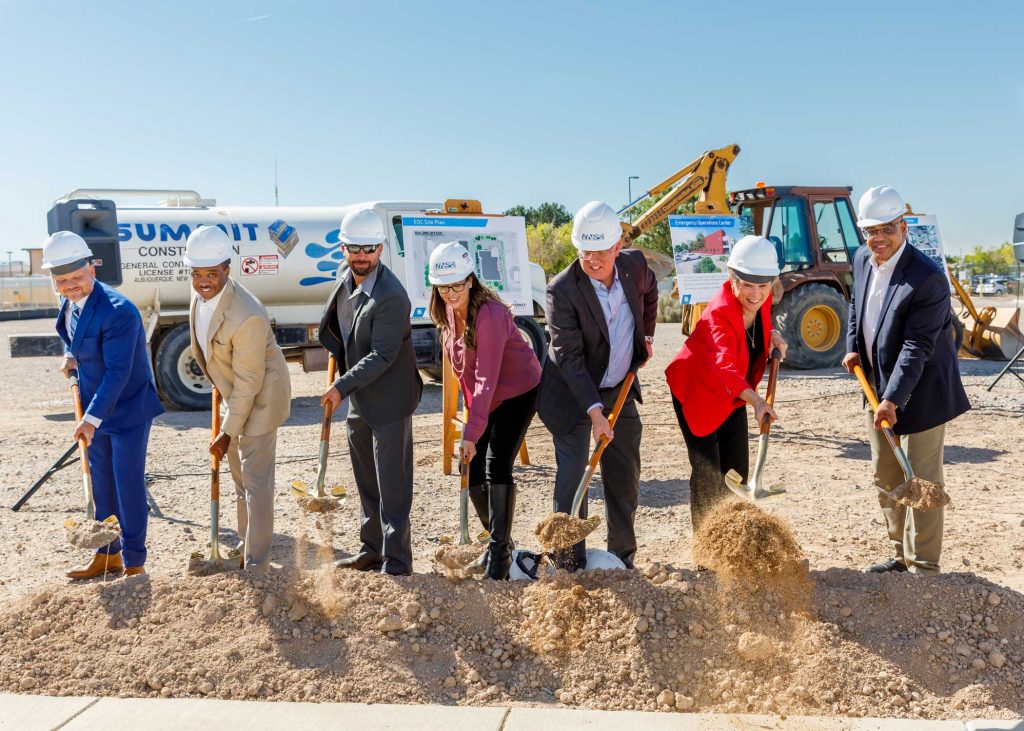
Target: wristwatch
{"x":649,"y":339}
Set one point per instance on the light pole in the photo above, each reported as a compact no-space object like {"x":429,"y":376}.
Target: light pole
{"x":10,"y":270}
{"x":629,"y":187}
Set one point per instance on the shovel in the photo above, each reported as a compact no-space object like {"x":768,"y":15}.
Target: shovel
{"x":316,"y":499}
{"x":461,"y":559}
{"x":755,"y":491}
{"x":90,"y":533}
{"x":196,"y":562}
{"x":560,"y":531}
{"x":916,"y":492}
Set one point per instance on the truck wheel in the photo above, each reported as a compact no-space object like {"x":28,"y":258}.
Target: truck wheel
{"x":179,"y":379}
{"x":535,"y":335}
{"x":813,"y":320}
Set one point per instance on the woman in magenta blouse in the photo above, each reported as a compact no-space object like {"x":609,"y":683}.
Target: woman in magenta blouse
{"x":498,"y":373}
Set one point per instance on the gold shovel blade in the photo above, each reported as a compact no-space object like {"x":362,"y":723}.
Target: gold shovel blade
{"x":301,"y":489}
{"x":735,"y":483}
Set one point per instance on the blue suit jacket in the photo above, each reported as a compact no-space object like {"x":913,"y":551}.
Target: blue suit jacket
{"x":114,"y":376}
{"x":913,"y":352}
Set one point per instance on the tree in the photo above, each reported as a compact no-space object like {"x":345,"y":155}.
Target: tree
{"x":698,"y":242}
{"x":998,"y":260}
{"x":550,"y":246}
{"x":707,"y":266}
{"x":554,"y":214}
{"x":657,"y":237}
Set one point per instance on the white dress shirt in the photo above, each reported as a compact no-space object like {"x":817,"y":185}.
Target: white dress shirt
{"x":204,"y":313}
{"x":881,"y":276}
{"x":67,"y":325}
{"x":619,"y":319}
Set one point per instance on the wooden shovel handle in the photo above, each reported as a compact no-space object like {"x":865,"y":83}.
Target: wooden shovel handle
{"x":773,"y":379}
{"x":76,"y":401}
{"x":627,"y":384}
{"x":869,"y":393}
{"x":325,"y":425}
{"x":215,"y":431}
{"x":464,"y":474}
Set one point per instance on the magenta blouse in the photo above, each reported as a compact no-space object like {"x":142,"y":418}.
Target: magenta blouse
{"x":502,"y":366}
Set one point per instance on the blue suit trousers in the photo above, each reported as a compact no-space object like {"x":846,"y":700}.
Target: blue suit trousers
{"x":117,"y":459}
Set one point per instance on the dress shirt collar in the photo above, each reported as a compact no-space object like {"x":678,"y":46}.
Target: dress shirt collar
{"x":891,"y":263}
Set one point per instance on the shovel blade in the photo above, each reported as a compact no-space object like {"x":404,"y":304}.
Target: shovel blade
{"x":753,"y":493}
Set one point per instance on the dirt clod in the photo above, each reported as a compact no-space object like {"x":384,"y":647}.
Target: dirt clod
{"x":559,"y":531}
{"x":90,"y":534}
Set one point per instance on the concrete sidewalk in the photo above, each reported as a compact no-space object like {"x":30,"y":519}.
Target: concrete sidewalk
{"x":43,"y":713}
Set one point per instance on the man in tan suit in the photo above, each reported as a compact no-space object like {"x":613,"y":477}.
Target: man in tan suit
{"x":234,"y":345}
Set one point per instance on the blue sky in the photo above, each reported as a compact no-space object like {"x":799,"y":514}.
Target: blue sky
{"x":510,"y":103}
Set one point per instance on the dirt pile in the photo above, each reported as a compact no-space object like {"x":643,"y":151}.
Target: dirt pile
{"x":91,"y":534}
{"x":661,"y":640}
{"x":559,"y":531}
{"x":313,"y":504}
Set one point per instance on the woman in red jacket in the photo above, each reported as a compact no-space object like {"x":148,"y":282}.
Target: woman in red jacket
{"x":714,"y":376}
{"x":498,"y":373}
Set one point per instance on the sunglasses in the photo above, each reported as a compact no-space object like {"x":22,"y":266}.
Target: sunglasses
{"x":446,"y":288}
{"x":887,"y":230}
{"x":362,"y":248}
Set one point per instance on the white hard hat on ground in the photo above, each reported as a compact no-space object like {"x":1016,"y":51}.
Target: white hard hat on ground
{"x":754,"y":259}
{"x":449,"y":263}
{"x":207,"y":246}
{"x":526,"y":564}
{"x":362,"y":227}
{"x":65,"y":252}
{"x":878,"y":206}
{"x":596,"y":227}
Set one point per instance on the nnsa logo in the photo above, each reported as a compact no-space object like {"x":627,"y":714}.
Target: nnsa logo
{"x":445,"y":265}
{"x":592,"y":237}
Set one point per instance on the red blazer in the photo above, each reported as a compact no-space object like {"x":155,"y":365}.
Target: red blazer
{"x":710,"y":371}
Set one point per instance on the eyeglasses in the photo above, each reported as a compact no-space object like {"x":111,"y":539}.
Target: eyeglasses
{"x":596,"y":255}
{"x":362,"y":248}
{"x":890,"y":229}
{"x":446,"y":288}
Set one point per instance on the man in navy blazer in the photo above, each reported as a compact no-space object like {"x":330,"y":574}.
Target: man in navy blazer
{"x":901,"y":334}
{"x":105,"y":341}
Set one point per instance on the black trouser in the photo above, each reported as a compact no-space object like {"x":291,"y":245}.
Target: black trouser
{"x":711,"y":457}
{"x":497,"y":447}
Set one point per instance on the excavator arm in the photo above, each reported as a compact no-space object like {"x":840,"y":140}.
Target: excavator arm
{"x":704,"y":178}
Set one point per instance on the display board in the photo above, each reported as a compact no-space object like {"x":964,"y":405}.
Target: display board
{"x":923,"y":233}
{"x":700,"y":249}
{"x":496,"y":243}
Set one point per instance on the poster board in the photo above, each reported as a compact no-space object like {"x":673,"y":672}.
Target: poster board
{"x":923,"y":233}
{"x":700,"y":250}
{"x":497,"y":245}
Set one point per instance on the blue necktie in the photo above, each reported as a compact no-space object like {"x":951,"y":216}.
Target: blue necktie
{"x":74,"y":321}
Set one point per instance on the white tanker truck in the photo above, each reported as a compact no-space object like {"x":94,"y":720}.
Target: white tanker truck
{"x":286,"y":256}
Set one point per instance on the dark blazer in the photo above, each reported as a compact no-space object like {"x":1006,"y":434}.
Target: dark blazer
{"x":382,"y":379}
{"x":580,"y":348}
{"x":914,"y":353}
{"x":115,"y":380}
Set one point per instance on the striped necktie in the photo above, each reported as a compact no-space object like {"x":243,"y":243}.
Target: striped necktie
{"x":74,"y":321}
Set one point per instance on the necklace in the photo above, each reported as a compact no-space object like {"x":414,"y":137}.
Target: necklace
{"x":752,"y":334}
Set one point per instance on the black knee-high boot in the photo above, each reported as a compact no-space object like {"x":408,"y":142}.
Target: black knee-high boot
{"x":478,"y":494}
{"x":503,"y":508}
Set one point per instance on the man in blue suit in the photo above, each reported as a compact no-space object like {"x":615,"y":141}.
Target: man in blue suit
{"x":105,"y":341}
{"x":901,"y":334}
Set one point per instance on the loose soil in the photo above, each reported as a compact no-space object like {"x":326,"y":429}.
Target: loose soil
{"x":559,"y":531}
{"x":665,"y":637}
{"x":90,"y":534}
{"x":920,"y":494}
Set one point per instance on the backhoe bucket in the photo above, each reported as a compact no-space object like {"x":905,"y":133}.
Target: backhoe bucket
{"x":997,"y":336}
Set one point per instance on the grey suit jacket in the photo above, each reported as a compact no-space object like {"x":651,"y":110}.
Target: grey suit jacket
{"x":381,"y":379}
{"x":580,"y":348}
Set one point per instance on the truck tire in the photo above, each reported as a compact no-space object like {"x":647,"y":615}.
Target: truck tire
{"x":179,"y":379}
{"x":535,"y":335}
{"x":813,"y":320}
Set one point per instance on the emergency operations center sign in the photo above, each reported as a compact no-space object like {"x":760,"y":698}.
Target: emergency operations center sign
{"x":497,"y":245}
{"x":700,"y":248}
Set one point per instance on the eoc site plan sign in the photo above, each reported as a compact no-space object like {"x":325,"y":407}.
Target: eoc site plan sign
{"x":496,"y":243}
{"x":700,"y":249}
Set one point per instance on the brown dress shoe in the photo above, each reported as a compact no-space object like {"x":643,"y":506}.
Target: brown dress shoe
{"x":134,"y":570}
{"x":102,"y":563}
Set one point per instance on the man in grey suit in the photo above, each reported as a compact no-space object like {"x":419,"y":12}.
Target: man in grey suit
{"x":601,"y":312}
{"x":366,"y":328}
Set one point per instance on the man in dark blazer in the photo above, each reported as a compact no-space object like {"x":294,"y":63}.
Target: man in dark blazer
{"x":366,"y":328}
{"x":601,"y":312}
{"x":104,"y":340}
{"x":901,"y":334}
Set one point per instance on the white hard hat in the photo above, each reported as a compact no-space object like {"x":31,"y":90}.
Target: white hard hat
{"x":754,"y":259}
{"x":596,"y":227}
{"x":878,"y":206}
{"x":526,"y":564}
{"x":450,"y":263}
{"x":207,"y":246}
{"x":362,"y":227}
{"x":64,"y":252}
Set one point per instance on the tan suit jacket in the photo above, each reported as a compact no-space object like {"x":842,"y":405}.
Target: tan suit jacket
{"x":245,"y":363}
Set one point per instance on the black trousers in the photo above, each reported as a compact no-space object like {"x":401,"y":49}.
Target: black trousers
{"x":711,"y":457}
{"x":499,"y":444}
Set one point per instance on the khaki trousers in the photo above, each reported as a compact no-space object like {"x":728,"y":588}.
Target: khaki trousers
{"x":252,"y":469}
{"x":916,"y":535}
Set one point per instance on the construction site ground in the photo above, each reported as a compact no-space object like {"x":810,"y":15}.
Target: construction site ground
{"x":664,"y":638}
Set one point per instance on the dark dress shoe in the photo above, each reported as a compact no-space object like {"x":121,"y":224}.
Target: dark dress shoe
{"x":887,"y":566}
{"x":360,"y":562}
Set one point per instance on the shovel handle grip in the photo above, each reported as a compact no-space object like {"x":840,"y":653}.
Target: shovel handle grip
{"x":869,"y":394}
{"x":773,"y":379}
{"x":463,"y":474}
{"x":325,"y":425}
{"x":76,"y":400}
{"x":620,"y":400}
{"x":215,"y":430}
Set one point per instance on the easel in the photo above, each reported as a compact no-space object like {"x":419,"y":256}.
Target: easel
{"x":452,"y":425}
{"x":1008,"y":368}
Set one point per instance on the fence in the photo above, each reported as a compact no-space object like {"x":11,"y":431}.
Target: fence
{"x":27,"y":293}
